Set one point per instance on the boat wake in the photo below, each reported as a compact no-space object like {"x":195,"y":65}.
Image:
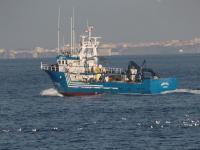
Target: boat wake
{"x":187,"y":91}
{"x":54,"y":92}
{"x":50,"y":92}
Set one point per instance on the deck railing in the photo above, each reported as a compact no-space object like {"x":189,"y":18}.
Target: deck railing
{"x":49,"y":67}
{"x":103,"y":70}
{"x":114,"y":70}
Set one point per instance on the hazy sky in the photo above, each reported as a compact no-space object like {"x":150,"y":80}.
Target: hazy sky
{"x":31,"y":23}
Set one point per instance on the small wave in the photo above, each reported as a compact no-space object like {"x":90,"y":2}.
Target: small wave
{"x":189,"y":91}
{"x":50,"y":92}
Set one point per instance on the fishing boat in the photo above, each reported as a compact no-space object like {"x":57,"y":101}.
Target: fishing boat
{"x":77,"y":72}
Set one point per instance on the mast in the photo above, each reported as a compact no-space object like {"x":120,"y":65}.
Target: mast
{"x":89,"y":30}
{"x":73,"y":31}
{"x":66,"y":33}
{"x":71,"y":37}
{"x":63,"y":43}
{"x":87,"y":24}
{"x":89,"y":42}
{"x":59,"y":31}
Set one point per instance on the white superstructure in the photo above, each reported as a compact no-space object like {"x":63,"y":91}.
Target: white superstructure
{"x":88,"y":51}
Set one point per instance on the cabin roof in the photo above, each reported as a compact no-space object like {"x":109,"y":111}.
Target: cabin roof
{"x":67,"y":57}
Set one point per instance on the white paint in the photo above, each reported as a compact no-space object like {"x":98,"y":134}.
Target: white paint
{"x":164,"y":85}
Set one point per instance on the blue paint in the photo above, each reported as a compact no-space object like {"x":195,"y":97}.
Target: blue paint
{"x":148,"y":86}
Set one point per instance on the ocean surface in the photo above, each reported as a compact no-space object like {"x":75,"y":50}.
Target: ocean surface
{"x":34,"y":116}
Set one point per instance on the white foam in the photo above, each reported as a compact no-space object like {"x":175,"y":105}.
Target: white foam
{"x":50,"y":92}
{"x":123,"y":118}
{"x":167,"y":122}
{"x":34,"y":130}
{"x":19,"y":130}
{"x":79,"y":129}
{"x":157,"y":121}
{"x":55,"y":128}
{"x":6,"y":130}
{"x":190,"y":91}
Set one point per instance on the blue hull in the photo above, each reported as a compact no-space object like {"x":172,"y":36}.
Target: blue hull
{"x":67,"y":87}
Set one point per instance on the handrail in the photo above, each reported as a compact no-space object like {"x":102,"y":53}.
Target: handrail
{"x":114,"y":70}
{"x":104,"y":69}
{"x":49,"y":68}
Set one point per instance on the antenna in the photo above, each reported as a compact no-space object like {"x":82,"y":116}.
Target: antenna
{"x":59,"y":30}
{"x":89,"y":30}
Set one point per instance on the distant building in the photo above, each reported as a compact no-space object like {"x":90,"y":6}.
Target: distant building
{"x":104,"y":52}
{"x":2,"y":53}
{"x":115,"y":53}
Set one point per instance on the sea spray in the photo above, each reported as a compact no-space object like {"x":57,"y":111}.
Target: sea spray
{"x":189,"y":91}
{"x":50,"y":92}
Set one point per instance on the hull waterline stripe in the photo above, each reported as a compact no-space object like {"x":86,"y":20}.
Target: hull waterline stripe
{"x":85,"y":85}
{"x":89,"y":87}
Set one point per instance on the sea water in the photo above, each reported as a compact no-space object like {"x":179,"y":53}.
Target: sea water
{"x":33,"y":115}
